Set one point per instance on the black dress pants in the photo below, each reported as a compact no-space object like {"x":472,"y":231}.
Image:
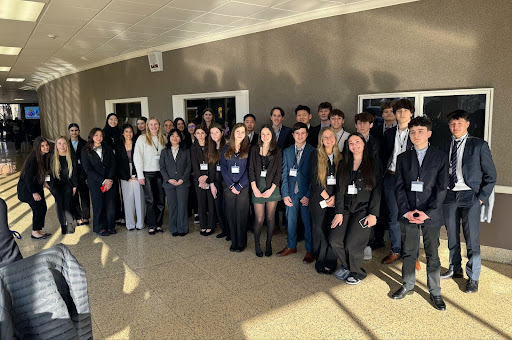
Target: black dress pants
{"x":81,"y":203}
{"x":348,"y":241}
{"x":38,"y":212}
{"x":103,"y":207}
{"x":321,"y":220}
{"x":154,"y":197}
{"x":220,"y":213}
{"x":237,"y":211}
{"x":206,"y":207}
{"x":63,"y":194}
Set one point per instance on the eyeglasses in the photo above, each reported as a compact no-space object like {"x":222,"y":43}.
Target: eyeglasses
{"x":191,"y":126}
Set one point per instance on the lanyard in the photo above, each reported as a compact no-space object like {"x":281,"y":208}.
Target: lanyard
{"x":155,"y":146}
{"x":401,"y":143}
{"x":341,"y":137}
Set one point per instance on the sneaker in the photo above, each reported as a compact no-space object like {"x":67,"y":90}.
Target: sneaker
{"x":342,"y":273}
{"x":352,"y":281}
{"x":367,"y":253}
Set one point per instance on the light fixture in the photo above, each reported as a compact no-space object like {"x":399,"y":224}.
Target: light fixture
{"x":10,"y":50}
{"x":5,"y":68}
{"x":16,"y":80}
{"x":20,"y":10}
{"x":18,"y":98}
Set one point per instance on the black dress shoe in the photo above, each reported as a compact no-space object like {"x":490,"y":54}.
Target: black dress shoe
{"x":112,"y":231}
{"x":472,"y":286}
{"x":401,"y":293}
{"x":451,"y":273}
{"x":151,"y":231}
{"x":221,"y":235}
{"x":182,"y":234}
{"x":159,"y":230}
{"x":268,"y":252}
{"x":202,"y":232}
{"x":104,"y":232}
{"x":174,"y":234}
{"x":259,"y":253}
{"x":232,"y":249}
{"x":438,"y":302}
{"x":228,"y":238}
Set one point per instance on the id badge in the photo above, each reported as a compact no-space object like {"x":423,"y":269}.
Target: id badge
{"x":218,"y":167}
{"x":235,"y":169}
{"x":331,"y":180}
{"x":203,"y":166}
{"x":352,"y":189}
{"x":417,"y":186}
{"x":293,"y":172}
{"x":263,"y":173}
{"x":323,"y":204}
{"x":157,"y":157}
{"x":79,"y":162}
{"x":47,"y":178}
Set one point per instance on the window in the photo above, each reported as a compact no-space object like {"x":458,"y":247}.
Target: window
{"x":128,"y":109}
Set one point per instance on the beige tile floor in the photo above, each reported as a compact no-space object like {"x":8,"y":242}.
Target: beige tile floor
{"x":161,"y":287}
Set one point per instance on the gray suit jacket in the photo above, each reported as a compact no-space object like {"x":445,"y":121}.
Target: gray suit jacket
{"x":175,"y":169}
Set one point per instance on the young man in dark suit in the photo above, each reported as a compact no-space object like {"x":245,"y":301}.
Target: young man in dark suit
{"x":389,"y":120}
{"x":295,"y":190}
{"x":472,"y":177}
{"x":303,"y":115}
{"x":283,"y":133}
{"x":250,"y":125}
{"x":421,"y":180}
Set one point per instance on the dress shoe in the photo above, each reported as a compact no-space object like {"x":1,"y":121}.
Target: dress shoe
{"x":104,"y":232}
{"x":232,"y":249}
{"x":286,"y":251}
{"x":174,"y":234}
{"x":390,"y":258}
{"x":451,"y":273}
{"x":239,"y":250}
{"x":438,"y":302}
{"x":308,"y":258}
{"x":42,"y":237}
{"x":182,"y":234}
{"x":208,"y":233}
{"x":221,"y":235}
{"x":112,"y":231}
{"x":268,"y":252}
{"x":418,"y":265}
{"x":472,"y":286}
{"x":151,"y":231}
{"x":159,"y":230}
{"x":228,"y":238}
{"x":203,"y":232}
{"x":401,"y":293}
{"x":259,"y":253}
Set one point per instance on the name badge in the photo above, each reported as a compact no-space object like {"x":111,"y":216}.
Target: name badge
{"x":203,"y":166}
{"x":323,"y":204}
{"x":157,"y":157}
{"x":352,"y":189}
{"x":263,"y":173}
{"x":235,"y":169}
{"x":417,"y":186}
{"x":331,"y":180}
{"x":47,"y":178}
{"x":79,"y":162}
{"x":293,"y":172}
{"x":218,"y":167}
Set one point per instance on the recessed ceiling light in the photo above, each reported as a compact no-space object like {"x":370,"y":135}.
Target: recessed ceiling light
{"x":5,"y":68}
{"x":16,"y":80}
{"x":10,"y":50}
{"x":18,"y":98}
{"x":20,"y":10}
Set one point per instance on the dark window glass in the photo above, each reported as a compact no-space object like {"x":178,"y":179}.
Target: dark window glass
{"x":224,"y":110}
{"x":373,"y":106}
{"x":128,"y":113}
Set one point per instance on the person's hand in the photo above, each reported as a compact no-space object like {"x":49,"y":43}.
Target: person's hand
{"x":370,"y":221}
{"x":422,"y":216}
{"x":74,"y":191}
{"x":46,"y":185}
{"x":267,"y":193}
{"x":338,"y":220}
{"x":36,"y":196}
{"x":481,"y":202}
{"x":256,"y":192}
{"x":330,"y":201}
{"x":202,"y":179}
{"x":173,"y":182}
{"x":288,"y":201}
{"x":213,"y":188}
{"x":202,"y":185}
{"x":234,"y":191}
{"x":180,"y":182}
{"x":304,"y":201}
{"x":108,"y":184}
{"x":142,"y":181}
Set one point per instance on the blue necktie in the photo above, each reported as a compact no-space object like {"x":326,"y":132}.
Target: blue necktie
{"x":453,"y":165}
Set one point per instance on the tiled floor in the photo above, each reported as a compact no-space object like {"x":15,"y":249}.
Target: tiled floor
{"x":192,"y":287}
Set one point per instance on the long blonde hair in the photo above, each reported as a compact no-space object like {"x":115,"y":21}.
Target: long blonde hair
{"x":56,"y":162}
{"x":159,"y":134}
{"x":323,"y":157}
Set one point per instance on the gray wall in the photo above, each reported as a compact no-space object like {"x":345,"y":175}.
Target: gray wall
{"x":426,"y":45}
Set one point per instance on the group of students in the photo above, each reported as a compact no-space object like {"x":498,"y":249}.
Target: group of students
{"x":346,"y":187}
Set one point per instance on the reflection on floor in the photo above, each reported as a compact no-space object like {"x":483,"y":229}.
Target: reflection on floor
{"x":10,"y":159}
{"x":192,"y":287}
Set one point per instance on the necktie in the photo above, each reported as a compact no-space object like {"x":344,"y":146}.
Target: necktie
{"x":453,"y":165}
{"x":298,"y":155}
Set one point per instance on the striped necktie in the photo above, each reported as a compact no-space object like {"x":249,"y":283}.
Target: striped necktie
{"x":453,"y":165}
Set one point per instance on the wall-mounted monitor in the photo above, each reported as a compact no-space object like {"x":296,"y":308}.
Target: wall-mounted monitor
{"x":32,"y":112}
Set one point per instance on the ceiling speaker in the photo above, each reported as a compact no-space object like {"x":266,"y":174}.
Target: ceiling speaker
{"x":156,"y":63}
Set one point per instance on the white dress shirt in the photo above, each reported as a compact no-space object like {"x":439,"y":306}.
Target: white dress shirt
{"x":400,"y":146}
{"x":341,"y":137}
{"x":460,"y":185}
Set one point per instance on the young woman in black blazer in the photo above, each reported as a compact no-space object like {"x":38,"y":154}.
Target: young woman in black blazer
{"x":133,"y":196}
{"x":100,"y":165}
{"x":175,"y":166}
{"x":216,"y":142}
{"x":323,"y":166}
{"x":181,"y":126}
{"x":206,"y":205}
{"x":81,"y":203}
{"x":357,"y":208}
{"x":265,"y":170}
{"x":34,"y":175}
{"x":112,"y":138}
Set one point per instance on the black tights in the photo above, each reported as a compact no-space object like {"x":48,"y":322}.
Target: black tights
{"x":259,"y":214}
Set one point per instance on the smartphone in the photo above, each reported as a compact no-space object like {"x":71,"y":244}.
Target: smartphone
{"x":361,"y":222}
{"x":103,"y":188}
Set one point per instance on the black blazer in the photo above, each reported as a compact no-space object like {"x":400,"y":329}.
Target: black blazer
{"x":72,"y":181}
{"x":123,"y":164}
{"x":285,"y":137}
{"x":175,"y":169}
{"x":254,"y":140}
{"x":96,"y":169}
{"x":389,"y":145}
{"x":313,"y":133}
{"x":372,"y":197}
{"x":274,"y":170}
{"x":433,"y":174}
{"x":478,"y":167}
{"x":374,"y":146}
{"x":316,"y":187}
{"x":198,"y":156}
{"x":78,"y":155}
{"x":28,"y":183}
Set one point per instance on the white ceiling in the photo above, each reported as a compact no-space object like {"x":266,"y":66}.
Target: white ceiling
{"x":90,"y":33}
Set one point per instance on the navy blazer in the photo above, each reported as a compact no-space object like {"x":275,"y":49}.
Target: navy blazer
{"x":433,"y":174}
{"x":303,"y":172}
{"x":96,"y":169}
{"x":388,"y":146}
{"x":285,"y":137}
{"x":240,"y":180}
{"x":176,"y":169}
{"x":478,"y":167}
